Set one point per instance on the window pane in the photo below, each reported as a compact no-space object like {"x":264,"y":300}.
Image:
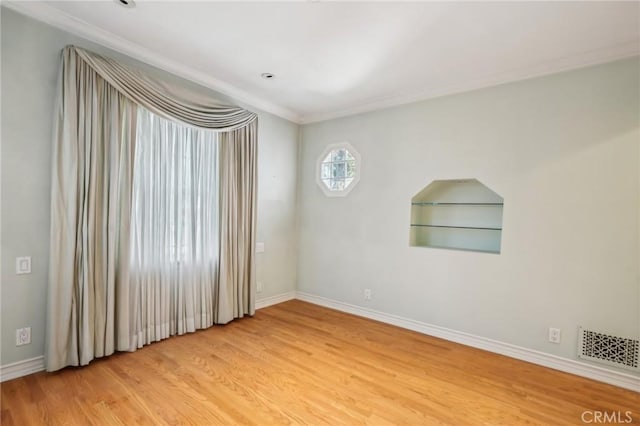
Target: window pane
{"x":325,"y":170}
{"x":351,"y":169}
{"x":338,"y":170}
{"x":175,"y":194}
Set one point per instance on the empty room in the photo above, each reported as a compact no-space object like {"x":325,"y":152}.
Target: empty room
{"x":320,"y":212}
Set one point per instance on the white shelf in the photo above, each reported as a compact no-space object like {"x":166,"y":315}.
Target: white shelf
{"x":457,"y":214}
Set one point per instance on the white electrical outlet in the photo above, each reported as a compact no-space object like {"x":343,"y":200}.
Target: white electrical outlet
{"x":259,"y":286}
{"x":23,"y":336}
{"x":554,"y":335}
{"x":367,"y":294}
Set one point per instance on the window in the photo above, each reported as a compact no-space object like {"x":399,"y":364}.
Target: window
{"x":338,"y":169}
{"x":175,"y":194}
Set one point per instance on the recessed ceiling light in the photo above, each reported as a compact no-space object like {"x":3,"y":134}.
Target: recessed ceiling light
{"x":126,"y":3}
{"x":267,"y":75}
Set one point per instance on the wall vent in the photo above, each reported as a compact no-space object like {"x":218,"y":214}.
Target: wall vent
{"x":608,"y":349}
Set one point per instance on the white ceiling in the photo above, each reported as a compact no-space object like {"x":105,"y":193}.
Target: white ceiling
{"x":332,"y":59}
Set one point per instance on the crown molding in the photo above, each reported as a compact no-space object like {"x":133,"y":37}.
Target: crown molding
{"x":585,"y":59}
{"x":50,"y":15}
{"x":56,"y":18}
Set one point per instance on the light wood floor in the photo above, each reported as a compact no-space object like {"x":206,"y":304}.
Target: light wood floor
{"x":303,"y":364}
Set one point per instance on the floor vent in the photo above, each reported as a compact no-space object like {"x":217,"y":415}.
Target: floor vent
{"x":612,"y":350}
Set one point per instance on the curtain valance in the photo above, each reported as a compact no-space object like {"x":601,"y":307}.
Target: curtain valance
{"x":170,"y":102}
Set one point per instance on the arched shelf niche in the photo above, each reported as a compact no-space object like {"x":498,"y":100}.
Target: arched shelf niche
{"x":460,"y":214}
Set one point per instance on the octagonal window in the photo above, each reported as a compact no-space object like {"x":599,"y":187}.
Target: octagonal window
{"x":338,"y":169}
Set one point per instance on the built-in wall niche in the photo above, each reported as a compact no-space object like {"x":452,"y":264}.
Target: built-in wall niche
{"x":460,"y":214}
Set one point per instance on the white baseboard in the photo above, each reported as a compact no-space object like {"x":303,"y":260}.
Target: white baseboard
{"x":616,"y":378}
{"x":34,"y":365}
{"x":21,"y":368}
{"x":274,"y":300}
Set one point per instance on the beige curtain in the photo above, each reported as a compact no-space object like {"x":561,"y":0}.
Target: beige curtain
{"x":171,"y":102}
{"x":91,"y":181}
{"x":238,"y":206}
{"x":89,"y":299}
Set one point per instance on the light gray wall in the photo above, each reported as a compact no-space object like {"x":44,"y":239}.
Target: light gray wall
{"x":562,"y":150}
{"x":30,"y":60}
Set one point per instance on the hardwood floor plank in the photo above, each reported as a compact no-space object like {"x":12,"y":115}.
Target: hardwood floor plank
{"x":298,"y":363}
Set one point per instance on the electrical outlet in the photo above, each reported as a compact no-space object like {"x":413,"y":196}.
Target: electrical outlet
{"x":259,"y":286}
{"x":23,"y":336}
{"x":554,"y":335}
{"x":367,"y":294}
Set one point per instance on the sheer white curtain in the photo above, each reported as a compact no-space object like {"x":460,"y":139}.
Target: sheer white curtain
{"x":174,"y":229}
